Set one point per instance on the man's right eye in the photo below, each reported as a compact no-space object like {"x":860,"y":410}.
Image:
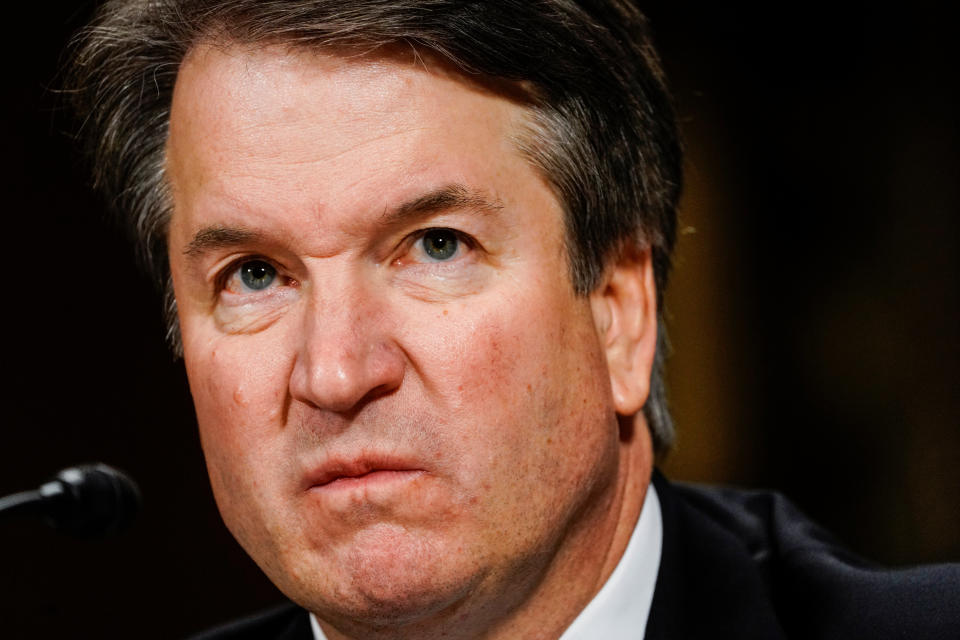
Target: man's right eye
{"x":250,"y":275}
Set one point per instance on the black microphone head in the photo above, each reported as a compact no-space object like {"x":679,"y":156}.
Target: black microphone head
{"x":91,"y":500}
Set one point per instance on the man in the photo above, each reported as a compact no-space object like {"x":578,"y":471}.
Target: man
{"x":415,"y":254}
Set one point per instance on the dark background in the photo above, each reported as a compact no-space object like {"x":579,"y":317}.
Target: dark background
{"x":813,"y":311}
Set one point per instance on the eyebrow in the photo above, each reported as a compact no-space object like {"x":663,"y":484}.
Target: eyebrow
{"x":217,"y":237}
{"x":446,"y":198}
{"x":451,"y":196}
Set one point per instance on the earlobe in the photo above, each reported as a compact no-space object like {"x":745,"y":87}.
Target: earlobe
{"x":625,"y":315}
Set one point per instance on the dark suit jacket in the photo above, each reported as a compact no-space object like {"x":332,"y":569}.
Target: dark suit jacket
{"x":748,"y":565}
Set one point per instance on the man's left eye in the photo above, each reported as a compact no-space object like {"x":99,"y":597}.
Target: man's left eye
{"x":440,"y":244}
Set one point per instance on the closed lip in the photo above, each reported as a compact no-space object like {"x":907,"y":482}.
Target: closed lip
{"x":357,"y":468}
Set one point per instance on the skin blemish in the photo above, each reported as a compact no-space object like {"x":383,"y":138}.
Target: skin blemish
{"x":240,"y":397}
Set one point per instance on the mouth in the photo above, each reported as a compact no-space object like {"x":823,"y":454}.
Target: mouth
{"x":365,"y":472}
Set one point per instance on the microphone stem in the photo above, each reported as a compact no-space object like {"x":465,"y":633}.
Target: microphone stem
{"x":23,"y":503}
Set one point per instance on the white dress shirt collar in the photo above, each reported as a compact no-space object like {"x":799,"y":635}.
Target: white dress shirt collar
{"x":620,"y":609}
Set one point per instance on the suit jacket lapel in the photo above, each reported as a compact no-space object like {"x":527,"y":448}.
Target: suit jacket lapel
{"x":710,"y":584}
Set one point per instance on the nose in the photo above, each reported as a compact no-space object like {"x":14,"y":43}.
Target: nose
{"x":346,"y":354}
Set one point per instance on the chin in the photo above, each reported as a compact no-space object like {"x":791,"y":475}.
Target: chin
{"x":390,"y":576}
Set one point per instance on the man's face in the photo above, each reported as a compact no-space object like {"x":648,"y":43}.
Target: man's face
{"x":402,"y":403}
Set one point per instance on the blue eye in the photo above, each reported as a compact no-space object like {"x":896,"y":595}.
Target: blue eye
{"x":257,"y":274}
{"x":440,"y":244}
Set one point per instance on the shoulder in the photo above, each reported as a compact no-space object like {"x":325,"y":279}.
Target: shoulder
{"x":286,"y":622}
{"x":813,"y":586}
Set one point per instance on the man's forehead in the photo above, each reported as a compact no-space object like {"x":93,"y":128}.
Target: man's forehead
{"x":272,"y":66}
{"x":310,"y":106}
{"x":290,"y":137}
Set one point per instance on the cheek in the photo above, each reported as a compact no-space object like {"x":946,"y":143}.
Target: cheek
{"x":239,"y":401}
{"x":537,"y":359}
{"x":528,"y":379}
{"x":234,"y":385}
{"x":543,"y":443}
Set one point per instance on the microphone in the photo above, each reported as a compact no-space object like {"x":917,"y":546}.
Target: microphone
{"x":86,"y":501}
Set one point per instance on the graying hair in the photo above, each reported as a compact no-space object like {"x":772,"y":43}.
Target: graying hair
{"x":602,"y":127}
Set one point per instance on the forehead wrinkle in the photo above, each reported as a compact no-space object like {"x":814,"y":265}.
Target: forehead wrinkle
{"x":339,"y":153}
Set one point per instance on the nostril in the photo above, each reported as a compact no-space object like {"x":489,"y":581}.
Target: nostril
{"x":379,"y":392}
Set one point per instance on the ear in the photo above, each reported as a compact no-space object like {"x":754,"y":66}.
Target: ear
{"x":625,"y":314}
